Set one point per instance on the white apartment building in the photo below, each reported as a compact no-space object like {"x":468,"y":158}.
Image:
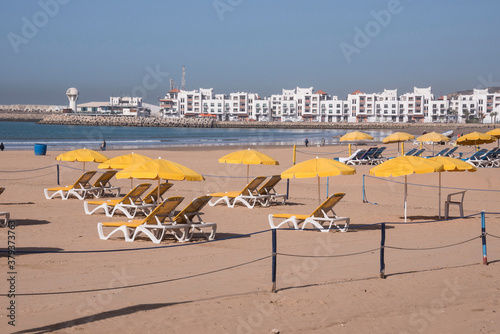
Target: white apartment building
{"x":305,"y":105}
{"x":127,"y":106}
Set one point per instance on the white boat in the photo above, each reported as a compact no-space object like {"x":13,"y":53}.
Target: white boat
{"x":448,"y":133}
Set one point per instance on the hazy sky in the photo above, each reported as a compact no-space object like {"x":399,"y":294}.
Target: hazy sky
{"x":126,"y":47}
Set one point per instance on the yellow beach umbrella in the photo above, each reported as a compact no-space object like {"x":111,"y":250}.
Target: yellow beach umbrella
{"x":82,"y":155}
{"x":475,"y":138}
{"x":451,"y":165}
{"x":433,"y":137}
{"x":123,"y":161}
{"x":355,"y":136}
{"x":248,"y":157}
{"x":398,"y":137}
{"x":159,"y":169}
{"x":319,"y":167}
{"x":406,"y":165}
{"x":495,"y":133}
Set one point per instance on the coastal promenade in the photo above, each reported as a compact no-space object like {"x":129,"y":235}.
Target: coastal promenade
{"x":106,"y":120}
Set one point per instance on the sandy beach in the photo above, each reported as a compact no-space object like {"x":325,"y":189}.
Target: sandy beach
{"x":71,"y":281}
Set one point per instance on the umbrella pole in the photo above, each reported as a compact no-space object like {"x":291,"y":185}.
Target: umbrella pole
{"x":248,"y":171}
{"x":349,"y":149}
{"x":319,"y":192}
{"x":158,"y":198}
{"x":439,"y":195}
{"x":406,"y":192}
{"x":84,"y":166}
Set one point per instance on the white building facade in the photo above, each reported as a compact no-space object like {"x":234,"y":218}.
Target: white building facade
{"x":305,"y":105}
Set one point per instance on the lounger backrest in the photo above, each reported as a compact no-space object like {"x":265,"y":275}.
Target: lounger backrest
{"x":269,"y":185}
{"x":442,"y":152}
{"x":151,"y":197}
{"x":411,"y":152}
{"x":379,"y":152}
{"x":328,"y":204}
{"x":358,"y":154}
{"x":369,"y":154}
{"x":251,"y":187}
{"x":84,"y":180}
{"x":192,"y":209}
{"x":450,"y":152}
{"x":135,"y":194}
{"x":478,"y":154}
{"x":164,"y":210}
{"x":419,"y":152}
{"x":103,"y":180}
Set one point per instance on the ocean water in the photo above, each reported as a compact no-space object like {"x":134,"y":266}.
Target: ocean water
{"x":24,"y":135}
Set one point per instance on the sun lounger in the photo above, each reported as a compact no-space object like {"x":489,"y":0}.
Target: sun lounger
{"x":377,"y":157}
{"x":268,"y":191}
{"x":317,"y":218}
{"x":249,"y":196}
{"x":356,"y":155}
{"x":418,"y":153}
{"x":475,"y":159}
{"x":451,"y":152}
{"x":79,"y":189}
{"x":152,"y":196}
{"x":102,"y":185}
{"x":485,"y":160}
{"x":411,"y":152}
{"x":154,"y":220}
{"x":364,"y":159}
{"x":441,"y":153}
{"x":129,"y":204}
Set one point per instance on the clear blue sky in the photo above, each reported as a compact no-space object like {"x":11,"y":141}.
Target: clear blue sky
{"x":106,"y":48}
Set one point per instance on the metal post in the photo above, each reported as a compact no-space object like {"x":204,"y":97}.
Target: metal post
{"x":483,"y":237}
{"x":57,"y":166}
{"x":327,"y":185}
{"x":274,"y":260}
{"x":364,"y":196}
{"x":382,"y":248}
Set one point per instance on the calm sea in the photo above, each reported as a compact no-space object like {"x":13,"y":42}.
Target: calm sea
{"x":24,"y":135}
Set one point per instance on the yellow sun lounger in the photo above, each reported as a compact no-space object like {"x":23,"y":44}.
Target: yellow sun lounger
{"x":249,"y":196}
{"x":79,"y":189}
{"x":129,"y":204}
{"x":4,"y":221}
{"x":102,"y":185}
{"x":268,"y":192}
{"x":191,"y":215}
{"x":154,"y":221}
{"x":317,"y":218}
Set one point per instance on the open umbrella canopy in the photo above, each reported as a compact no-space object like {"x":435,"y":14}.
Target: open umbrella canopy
{"x":355,"y":136}
{"x":82,"y":155}
{"x":397,"y":137}
{"x":433,"y":137}
{"x":123,"y":161}
{"x":248,"y":157}
{"x":475,"y":138}
{"x":453,"y":165}
{"x":495,"y":133}
{"x":159,"y":169}
{"x":319,"y":167}
{"x":406,"y":165}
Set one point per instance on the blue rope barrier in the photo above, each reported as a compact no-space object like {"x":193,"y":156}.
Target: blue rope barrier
{"x":26,"y":170}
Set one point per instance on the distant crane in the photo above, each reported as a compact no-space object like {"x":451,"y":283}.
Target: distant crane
{"x":183,"y":83}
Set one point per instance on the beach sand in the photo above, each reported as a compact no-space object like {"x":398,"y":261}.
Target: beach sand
{"x":225,"y":286}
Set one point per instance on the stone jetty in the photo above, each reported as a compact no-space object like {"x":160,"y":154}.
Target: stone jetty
{"x":206,"y":122}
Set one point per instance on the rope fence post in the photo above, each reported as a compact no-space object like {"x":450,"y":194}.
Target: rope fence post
{"x":273,"y":233}
{"x":364,"y":196}
{"x":483,"y":237}
{"x":382,"y":248}
{"x":57,"y":166}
